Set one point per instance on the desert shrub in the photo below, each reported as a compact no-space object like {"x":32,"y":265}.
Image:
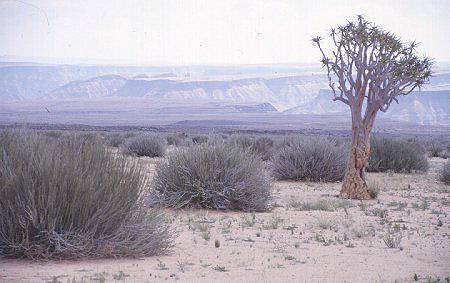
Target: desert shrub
{"x":150,"y":145}
{"x":442,"y":149}
{"x":342,"y":141}
{"x":243,"y":141}
{"x":215,"y":139}
{"x":445,"y":173}
{"x":72,"y":198}
{"x":52,"y":134}
{"x":176,"y":139}
{"x":435,"y":149}
{"x":213,"y":176}
{"x":198,"y":139}
{"x":396,"y":155}
{"x":374,"y":188}
{"x":445,"y":153}
{"x":262,"y":145}
{"x":309,"y":159}
{"x":115,"y":139}
{"x":87,"y":136}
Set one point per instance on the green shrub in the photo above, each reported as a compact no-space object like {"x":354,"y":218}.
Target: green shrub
{"x":397,"y":156}
{"x":445,"y":173}
{"x":72,"y":198}
{"x":150,"y":145}
{"x":309,"y":159}
{"x":217,"y":176}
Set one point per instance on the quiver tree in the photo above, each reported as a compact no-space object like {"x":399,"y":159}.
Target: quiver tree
{"x":368,"y":69}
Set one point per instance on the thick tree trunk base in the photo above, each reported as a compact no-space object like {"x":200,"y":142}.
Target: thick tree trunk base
{"x":354,"y":185}
{"x":355,"y":188}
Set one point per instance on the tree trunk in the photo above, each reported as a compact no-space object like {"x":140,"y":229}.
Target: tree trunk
{"x":354,"y":185}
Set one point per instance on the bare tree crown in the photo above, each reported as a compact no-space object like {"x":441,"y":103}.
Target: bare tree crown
{"x":370,"y":63}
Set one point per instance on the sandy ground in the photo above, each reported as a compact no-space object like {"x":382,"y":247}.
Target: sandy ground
{"x":310,"y":236}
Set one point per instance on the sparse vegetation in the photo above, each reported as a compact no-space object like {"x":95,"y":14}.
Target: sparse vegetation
{"x":52,"y":134}
{"x":220,"y":268}
{"x":397,"y":156}
{"x":309,"y":159}
{"x":435,"y":149}
{"x":392,"y":239}
{"x":117,"y":139}
{"x":114,"y":139}
{"x":106,"y":160}
{"x":216,"y":176}
{"x":72,"y":198}
{"x":177,"y":139}
{"x":198,"y":139}
{"x":284,"y":231}
{"x":321,"y":204}
{"x":260,"y":145}
{"x":248,"y":221}
{"x":445,"y":173}
{"x":274,"y":222}
{"x":374,"y":188}
{"x":326,"y":223}
{"x":150,"y":145}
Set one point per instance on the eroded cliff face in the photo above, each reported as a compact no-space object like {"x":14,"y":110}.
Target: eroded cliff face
{"x":290,"y":93}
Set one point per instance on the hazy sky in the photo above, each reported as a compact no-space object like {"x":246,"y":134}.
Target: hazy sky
{"x":206,"y":32}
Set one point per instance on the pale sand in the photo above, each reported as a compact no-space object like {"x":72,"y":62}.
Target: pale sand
{"x":265,"y":249}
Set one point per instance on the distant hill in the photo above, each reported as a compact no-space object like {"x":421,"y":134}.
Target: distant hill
{"x":421,"y":107}
{"x":102,"y":86}
{"x":289,"y":89}
{"x":26,"y":82}
{"x":281,"y":92}
{"x":259,"y":108}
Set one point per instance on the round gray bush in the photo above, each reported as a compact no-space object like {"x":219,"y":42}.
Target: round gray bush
{"x":72,"y":198}
{"x":216,"y":176}
{"x":435,"y":149}
{"x":264,"y":147}
{"x":309,"y":159}
{"x":177,"y":139}
{"x":445,"y":173}
{"x":114,"y":139}
{"x":198,"y":139}
{"x":260,"y":145}
{"x":149,"y":145}
{"x":397,"y":156}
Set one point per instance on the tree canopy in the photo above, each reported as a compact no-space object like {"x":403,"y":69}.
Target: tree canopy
{"x":368,"y":62}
